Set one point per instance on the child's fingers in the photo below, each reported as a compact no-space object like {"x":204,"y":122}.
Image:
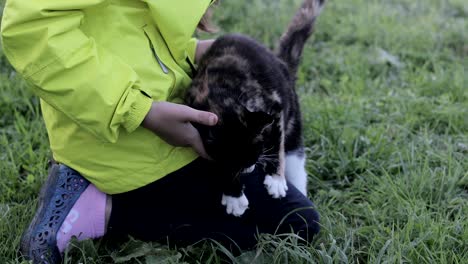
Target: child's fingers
{"x":197,"y":145}
{"x":201,"y":117}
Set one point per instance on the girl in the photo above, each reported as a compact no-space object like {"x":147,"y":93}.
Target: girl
{"x":111,"y":75}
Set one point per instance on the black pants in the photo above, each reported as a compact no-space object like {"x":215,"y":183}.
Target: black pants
{"x":185,"y":207}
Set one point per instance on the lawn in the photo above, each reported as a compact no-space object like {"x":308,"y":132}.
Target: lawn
{"x":384,"y":92}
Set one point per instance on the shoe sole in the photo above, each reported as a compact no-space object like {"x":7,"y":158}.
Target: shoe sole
{"x":46,"y":195}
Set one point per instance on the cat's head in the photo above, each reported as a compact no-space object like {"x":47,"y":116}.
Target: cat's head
{"x":237,"y":141}
{"x":225,"y":85}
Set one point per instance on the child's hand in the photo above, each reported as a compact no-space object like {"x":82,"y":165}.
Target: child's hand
{"x":171,"y":122}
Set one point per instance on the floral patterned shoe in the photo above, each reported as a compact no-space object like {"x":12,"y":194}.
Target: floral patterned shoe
{"x":58,"y":195}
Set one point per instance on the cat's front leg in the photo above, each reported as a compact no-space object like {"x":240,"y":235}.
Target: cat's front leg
{"x":275,"y":183}
{"x":275,"y":179}
{"x":234,"y":198}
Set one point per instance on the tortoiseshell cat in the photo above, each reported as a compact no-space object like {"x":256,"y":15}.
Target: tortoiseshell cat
{"x":252,"y":91}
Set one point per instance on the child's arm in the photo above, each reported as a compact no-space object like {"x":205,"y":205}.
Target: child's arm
{"x":68,"y":70}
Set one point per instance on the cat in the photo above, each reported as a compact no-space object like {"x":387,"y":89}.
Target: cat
{"x":251,"y":89}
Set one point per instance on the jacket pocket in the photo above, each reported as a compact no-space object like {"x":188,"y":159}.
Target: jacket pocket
{"x":163,"y":57}
{"x":152,"y":41}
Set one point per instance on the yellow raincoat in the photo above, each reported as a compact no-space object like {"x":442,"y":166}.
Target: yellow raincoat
{"x":97,"y":65}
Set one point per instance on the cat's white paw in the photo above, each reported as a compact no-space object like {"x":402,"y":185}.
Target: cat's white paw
{"x":235,"y":205}
{"x":276,"y":186}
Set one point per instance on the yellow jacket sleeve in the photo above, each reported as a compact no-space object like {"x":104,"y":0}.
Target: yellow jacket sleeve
{"x":97,"y":90}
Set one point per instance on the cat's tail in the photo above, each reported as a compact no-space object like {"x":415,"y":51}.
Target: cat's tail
{"x":299,"y":30}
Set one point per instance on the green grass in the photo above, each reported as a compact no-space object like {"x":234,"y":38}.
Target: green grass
{"x":384,"y":92}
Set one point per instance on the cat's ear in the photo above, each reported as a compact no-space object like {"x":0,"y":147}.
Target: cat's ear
{"x":258,"y":120}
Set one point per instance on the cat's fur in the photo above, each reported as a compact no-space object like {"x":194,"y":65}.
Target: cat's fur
{"x":251,"y":89}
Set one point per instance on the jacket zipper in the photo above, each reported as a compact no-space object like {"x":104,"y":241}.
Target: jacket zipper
{"x":163,"y":67}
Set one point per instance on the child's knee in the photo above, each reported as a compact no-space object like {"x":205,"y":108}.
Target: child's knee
{"x":312,"y":226}
{"x":305,"y":223}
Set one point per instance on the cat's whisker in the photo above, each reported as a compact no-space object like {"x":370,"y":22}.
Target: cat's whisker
{"x":270,"y":158}
{"x":270,"y":155}
{"x":240,"y":96}
{"x":267,"y":150}
{"x":237,"y":176}
{"x":267,"y":161}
